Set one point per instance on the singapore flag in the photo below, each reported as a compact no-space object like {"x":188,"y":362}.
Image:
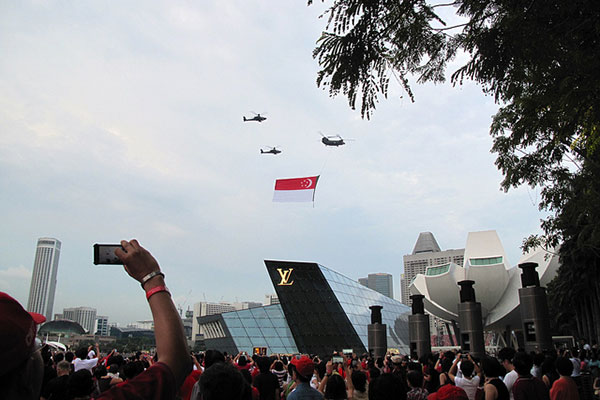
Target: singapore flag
{"x":295,"y":189}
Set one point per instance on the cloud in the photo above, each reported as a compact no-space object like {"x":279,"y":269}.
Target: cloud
{"x":19,"y":272}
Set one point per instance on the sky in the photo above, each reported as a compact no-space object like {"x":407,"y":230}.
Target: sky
{"x":124,"y":120}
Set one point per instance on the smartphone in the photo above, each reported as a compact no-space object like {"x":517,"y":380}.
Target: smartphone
{"x":337,"y":359}
{"x":105,"y":254}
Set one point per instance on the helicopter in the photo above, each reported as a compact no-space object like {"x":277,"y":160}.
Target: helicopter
{"x":273,"y":151}
{"x":332,"y":141}
{"x":257,"y":118}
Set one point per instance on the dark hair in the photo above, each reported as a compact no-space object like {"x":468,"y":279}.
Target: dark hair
{"x":81,"y":383}
{"x":446,"y":364}
{"x":336,"y":388}
{"x":321,"y":369}
{"x":278,"y":365}
{"x":242,"y":361}
{"x":415,"y":379}
{"x":374,"y":372}
{"x":69,"y":356}
{"x":491,"y":367}
{"x":222,"y":382}
{"x":523,"y":363}
{"x":82,"y":353}
{"x":506,"y":353}
{"x":413,"y":366}
{"x":538,"y":359}
{"x":100,"y":371}
{"x":302,"y":378}
{"x":467,"y":367}
{"x":387,"y":386}
{"x":564,"y":366}
{"x":359,"y":380}
{"x":212,"y":357}
{"x":118,"y":359}
{"x":263,"y":364}
{"x":58,"y":357}
{"x":133,"y":369}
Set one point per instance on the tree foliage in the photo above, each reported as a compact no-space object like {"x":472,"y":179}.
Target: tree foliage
{"x":541,"y":62}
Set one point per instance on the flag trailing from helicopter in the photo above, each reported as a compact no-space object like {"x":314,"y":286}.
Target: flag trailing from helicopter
{"x":295,"y":189}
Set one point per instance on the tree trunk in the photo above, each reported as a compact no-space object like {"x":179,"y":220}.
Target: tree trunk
{"x":578,"y":320}
{"x":590,"y":319}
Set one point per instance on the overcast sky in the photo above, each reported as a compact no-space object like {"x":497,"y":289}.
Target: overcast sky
{"x":124,"y":120}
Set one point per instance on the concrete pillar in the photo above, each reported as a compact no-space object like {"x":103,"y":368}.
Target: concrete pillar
{"x":377,"y":333}
{"x":535,"y":318}
{"x":470,"y":321}
{"x":418,"y":327}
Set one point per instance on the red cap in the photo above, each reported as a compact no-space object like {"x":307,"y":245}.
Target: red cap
{"x":17,"y":332}
{"x":304,"y":366}
{"x":449,"y":392}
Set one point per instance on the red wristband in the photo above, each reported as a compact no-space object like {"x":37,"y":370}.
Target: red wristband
{"x":155,"y":290}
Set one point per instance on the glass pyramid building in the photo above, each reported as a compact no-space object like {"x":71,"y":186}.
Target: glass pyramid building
{"x":320,"y":311}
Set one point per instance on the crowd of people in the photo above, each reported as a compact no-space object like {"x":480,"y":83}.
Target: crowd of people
{"x":511,"y":375}
{"x":31,"y":370}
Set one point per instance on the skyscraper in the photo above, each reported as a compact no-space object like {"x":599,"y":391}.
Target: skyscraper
{"x":381,"y":282}
{"x":426,"y":253}
{"x":84,"y":316}
{"x":43,"y":279}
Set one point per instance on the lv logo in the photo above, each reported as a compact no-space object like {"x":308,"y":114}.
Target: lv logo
{"x":285,"y":275}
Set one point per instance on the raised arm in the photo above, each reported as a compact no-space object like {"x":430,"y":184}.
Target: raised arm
{"x":452,"y":372}
{"x":171,"y":345}
{"x":477,"y":369}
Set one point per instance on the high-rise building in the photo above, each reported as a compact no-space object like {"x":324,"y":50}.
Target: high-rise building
{"x":381,"y":282}
{"x":84,"y":316}
{"x":43,"y":279}
{"x":271,"y":299}
{"x":426,"y":253}
{"x":102,"y":325}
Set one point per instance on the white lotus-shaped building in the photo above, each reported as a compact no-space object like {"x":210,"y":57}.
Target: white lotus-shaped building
{"x":496,"y":283}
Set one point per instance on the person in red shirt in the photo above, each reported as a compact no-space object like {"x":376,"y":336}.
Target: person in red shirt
{"x":565,"y":387}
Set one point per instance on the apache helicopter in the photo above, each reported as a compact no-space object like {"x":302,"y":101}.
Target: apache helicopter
{"x":332,"y":141}
{"x":257,"y":118}
{"x":273,"y":150}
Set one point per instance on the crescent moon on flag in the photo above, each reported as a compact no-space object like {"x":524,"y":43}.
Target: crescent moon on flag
{"x":309,"y":183}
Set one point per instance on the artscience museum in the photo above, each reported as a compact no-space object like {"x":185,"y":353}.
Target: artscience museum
{"x":496,"y":283}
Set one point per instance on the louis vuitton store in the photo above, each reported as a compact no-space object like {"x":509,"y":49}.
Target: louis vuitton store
{"x":320,"y":311}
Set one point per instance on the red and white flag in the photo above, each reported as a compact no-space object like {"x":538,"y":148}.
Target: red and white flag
{"x":295,"y":189}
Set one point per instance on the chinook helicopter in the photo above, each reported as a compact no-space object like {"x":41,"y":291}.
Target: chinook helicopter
{"x":272,"y":150}
{"x":332,"y":141}
{"x":257,"y":117}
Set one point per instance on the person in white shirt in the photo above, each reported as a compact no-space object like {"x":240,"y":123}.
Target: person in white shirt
{"x":505,"y":356}
{"x":468,"y":382}
{"x":82,"y":362}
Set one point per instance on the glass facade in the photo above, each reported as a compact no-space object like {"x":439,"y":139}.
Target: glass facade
{"x":355,"y":299}
{"x":439,"y":270}
{"x":485,"y":261}
{"x":260,"y":327}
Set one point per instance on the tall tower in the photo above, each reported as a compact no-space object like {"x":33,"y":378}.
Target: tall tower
{"x":426,"y":253}
{"x":43,"y":279}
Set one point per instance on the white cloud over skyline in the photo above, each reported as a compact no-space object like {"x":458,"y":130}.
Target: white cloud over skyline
{"x":125,"y":121}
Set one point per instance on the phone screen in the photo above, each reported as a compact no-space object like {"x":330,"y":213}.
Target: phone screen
{"x":105,"y":254}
